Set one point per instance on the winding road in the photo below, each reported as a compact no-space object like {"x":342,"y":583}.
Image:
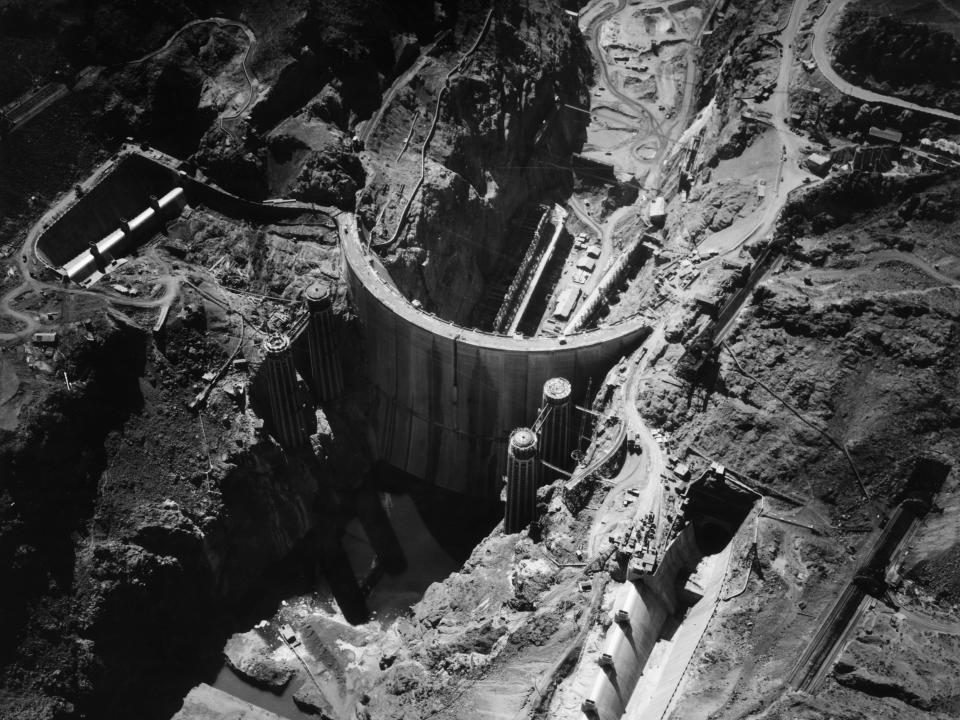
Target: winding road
{"x":592,"y":29}
{"x":251,"y":44}
{"x":821,"y":55}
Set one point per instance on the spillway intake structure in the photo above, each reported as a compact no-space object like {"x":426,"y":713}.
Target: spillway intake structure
{"x":555,"y":429}
{"x":523,"y":468}
{"x":288,"y":412}
{"x":88,"y":266}
{"x":326,"y":372}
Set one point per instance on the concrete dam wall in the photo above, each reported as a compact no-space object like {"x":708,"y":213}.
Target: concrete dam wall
{"x":445,"y":398}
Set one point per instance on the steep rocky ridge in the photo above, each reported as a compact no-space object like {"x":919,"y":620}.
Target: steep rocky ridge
{"x":482,"y":162}
{"x":855,"y":331}
{"x":890,"y":55}
{"x":126,"y":515}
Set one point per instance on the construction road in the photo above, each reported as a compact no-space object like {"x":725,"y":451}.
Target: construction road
{"x":821,"y":33}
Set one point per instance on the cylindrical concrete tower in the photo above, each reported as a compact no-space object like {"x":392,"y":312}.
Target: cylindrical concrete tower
{"x":522,"y":474}
{"x":555,"y":431}
{"x":287,"y":415}
{"x":326,"y":374}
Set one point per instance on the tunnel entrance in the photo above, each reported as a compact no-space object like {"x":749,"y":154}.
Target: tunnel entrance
{"x":716,"y":510}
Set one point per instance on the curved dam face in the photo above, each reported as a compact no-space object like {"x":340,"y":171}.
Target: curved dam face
{"x":446,"y":397}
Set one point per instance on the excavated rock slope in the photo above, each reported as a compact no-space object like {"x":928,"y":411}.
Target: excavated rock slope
{"x":856,"y":331}
{"x":502,"y":138}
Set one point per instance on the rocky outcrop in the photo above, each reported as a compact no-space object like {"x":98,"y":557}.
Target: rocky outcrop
{"x":142,"y":525}
{"x":309,"y":698}
{"x":891,"y":55}
{"x":329,"y":177}
{"x":878,"y":685}
{"x":249,"y":655}
{"x":172,"y":99}
{"x":501,"y":130}
{"x":207,"y":703}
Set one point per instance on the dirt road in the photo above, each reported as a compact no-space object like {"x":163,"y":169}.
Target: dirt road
{"x":821,"y":32}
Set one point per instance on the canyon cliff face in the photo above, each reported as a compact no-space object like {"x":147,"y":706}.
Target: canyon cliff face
{"x":133,"y":527}
{"x":117,"y":522}
{"x":503,"y":138}
{"x":132,"y":523}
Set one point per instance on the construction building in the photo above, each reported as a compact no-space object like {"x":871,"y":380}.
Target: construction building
{"x":819,"y":164}
{"x":326,"y":372}
{"x":289,"y":413}
{"x":886,"y":135}
{"x":567,"y":302}
{"x":522,"y":476}
{"x":555,"y":427}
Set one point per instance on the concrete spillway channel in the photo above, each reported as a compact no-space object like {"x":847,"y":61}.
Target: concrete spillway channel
{"x":130,"y":201}
{"x":87,"y":268}
{"x":642,"y":611}
{"x":669,"y":605}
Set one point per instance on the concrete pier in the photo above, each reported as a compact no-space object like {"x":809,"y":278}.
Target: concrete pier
{"x":522,"y":475}
{"x":555,"y":430}
{"x":289,"y":414}
{"x":326,"y":373}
